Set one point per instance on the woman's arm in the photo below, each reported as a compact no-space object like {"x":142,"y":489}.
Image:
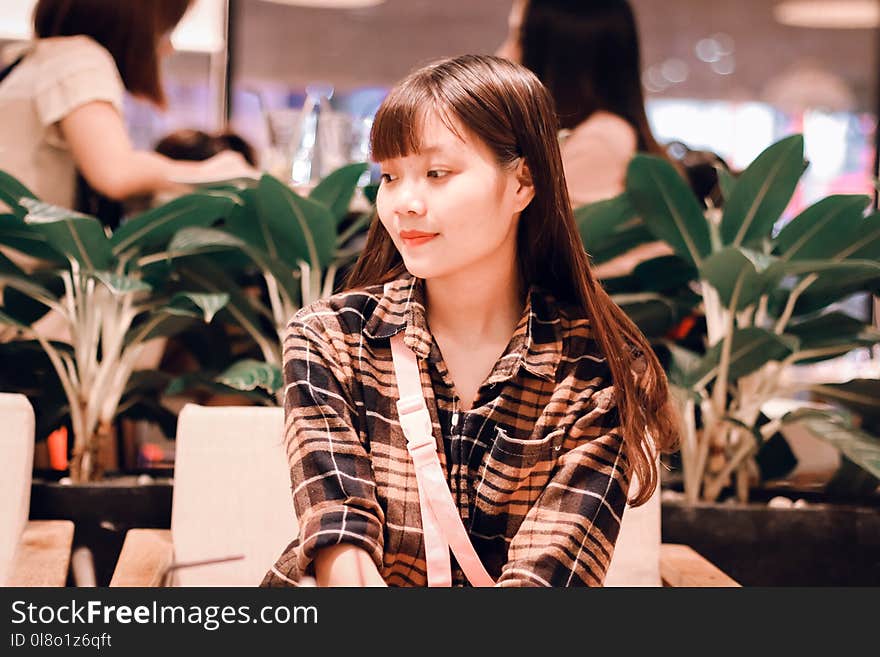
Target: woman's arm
{"x":103,"y":153}
{"x":341,"y":523}
{"x":346,"y":565}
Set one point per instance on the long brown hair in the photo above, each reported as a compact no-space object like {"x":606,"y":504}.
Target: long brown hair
{"x":587,"y":54}
{"x":507,"y":107}
{"x":129,"y":29}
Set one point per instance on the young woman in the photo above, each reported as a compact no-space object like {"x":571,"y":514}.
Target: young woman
{"x":543,"y":398}
{"x":61,"y":101}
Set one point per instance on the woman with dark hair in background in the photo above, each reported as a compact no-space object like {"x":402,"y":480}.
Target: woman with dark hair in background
{"x":587,"y":54}
{"x":61,"y":101}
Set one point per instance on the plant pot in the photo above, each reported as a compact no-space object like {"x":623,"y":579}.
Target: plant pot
{"x":815,"y":545}
{"x":103,"y":512}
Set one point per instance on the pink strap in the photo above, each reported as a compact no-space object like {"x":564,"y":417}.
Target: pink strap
{"x":441,"y":521}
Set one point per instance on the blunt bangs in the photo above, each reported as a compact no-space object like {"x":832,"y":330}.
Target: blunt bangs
{"x":398,"y":126}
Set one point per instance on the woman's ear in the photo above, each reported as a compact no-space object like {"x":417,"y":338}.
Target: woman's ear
{"x":525,"y":190}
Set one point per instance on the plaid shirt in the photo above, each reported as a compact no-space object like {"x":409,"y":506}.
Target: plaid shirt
{"x":537,"y":467}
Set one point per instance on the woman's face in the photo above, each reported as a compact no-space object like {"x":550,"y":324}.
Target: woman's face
{"x":511,"y":49}
{"x":450,"y":208}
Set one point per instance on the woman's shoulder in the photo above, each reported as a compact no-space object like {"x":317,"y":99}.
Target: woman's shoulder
{"x":68,"y":59}
{"x":342,"y":314}
{"x":82,"y":47}
{"x":612,"y":130}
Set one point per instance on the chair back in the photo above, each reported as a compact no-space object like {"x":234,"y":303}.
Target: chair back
{"x":636,"y":558}
{"x":231,"y":494}
{"x":17,"y":457}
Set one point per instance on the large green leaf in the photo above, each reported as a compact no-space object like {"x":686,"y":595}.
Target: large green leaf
{"x":21,"y":237}
{"x":858,"y":446}
{"x":203,"y":305}
{"x":664,"y":273}
{"x":176,"y":315}
{"x":29,"y":286}
{"x":833,"y":329}
{"x":78,"y":236}
{"x":726,"y":181}
{"x":249,"y":374}
{"x":837,"y":284}
{"x":190,"y":241}
{"x":11,"y":193}
{"x":859,"y":395}
{"x":193,"y":381}
{"x":371,"y":191}
{"x":336,"y":190}
{"x":751,"y":349}
{"x":621,"y":241}
{"x":297,"y":229}
{"x":762,"y":192}
{"x":23,"y":306}
{"x":122,"y":285}
{"x":865,"y":243}
{"x":822,"y":230}
{"x":598,"y":221}
{"x":668,"y":207}
{"x":160,"y":324}
{"x":204,"y":274}
{"x":834,"y":281}
{"x":736,"y":269}
{"x":8,"y":267}
{"x":156,"y":226}
{"x":684,"y":364}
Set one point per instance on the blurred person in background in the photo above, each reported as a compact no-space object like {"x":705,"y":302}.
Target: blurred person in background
{"x":198,"y":145}
{"x":586,"y":52}
{"x":62,"y":132}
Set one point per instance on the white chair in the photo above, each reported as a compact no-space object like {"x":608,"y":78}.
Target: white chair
{"x":32,"y":553}
{"x":232,"y":497}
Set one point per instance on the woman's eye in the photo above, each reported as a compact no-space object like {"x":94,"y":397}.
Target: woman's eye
{"x":437,"y":173}
{"x":386,"y":178}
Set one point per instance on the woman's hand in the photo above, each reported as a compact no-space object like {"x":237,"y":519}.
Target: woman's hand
{"x":103,"y":153}
{"x":223,"y":166}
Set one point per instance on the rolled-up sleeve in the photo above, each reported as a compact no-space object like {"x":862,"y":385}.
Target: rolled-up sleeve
{"x":567,"y":537}
{"x":334,"y":491}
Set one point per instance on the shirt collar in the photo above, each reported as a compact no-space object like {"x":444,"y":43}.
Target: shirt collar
{"x":536,"y":344}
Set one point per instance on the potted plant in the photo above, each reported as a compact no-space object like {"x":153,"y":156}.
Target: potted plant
{"x":769,"y":293}
{"x":106,"y":303}
{"x":155,"y":276}
{"x":297,"y":245}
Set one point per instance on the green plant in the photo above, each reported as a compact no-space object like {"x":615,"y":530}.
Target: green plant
{"x":100,"y":303}
{"x":770,"y":300}
{"x":296,"y":244}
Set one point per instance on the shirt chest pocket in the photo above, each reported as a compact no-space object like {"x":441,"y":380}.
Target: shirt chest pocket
{"x":515,"y":471}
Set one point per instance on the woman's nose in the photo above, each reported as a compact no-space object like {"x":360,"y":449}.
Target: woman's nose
{"x":410,"y":202}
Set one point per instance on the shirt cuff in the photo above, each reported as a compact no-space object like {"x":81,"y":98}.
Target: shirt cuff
{"x":336,"y":525}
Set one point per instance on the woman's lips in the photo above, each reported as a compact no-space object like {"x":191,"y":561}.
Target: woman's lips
{"x":413,"y":238}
